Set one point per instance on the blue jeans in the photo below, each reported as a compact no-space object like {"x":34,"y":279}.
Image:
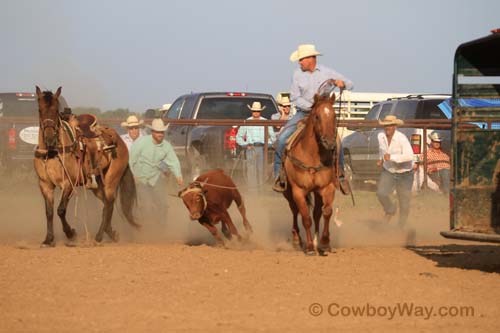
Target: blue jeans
{"x":442,"y":178}
{"x":286,"y":132}
{"x":402,"y":182}
{"x":254,"y":164}
{"x":152,"y":201}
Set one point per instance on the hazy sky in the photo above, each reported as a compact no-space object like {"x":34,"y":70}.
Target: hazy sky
{"x":142,"y":54}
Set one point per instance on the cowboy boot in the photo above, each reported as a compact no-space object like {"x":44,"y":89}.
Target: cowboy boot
{"x":280,"y":182}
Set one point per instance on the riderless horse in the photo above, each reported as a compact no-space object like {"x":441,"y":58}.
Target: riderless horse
{"x":59,"y":161}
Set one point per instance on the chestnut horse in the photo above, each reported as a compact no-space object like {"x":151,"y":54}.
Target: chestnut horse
{"x":311,"y":166}
{"x":58,"y":163}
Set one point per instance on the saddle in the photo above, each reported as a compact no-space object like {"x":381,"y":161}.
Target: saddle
{"x":281,"y":183}
{"x":87,"y":124}
{"x":97,"y":147}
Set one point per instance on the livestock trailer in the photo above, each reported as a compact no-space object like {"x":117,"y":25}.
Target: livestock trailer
{"x":475,"y":150}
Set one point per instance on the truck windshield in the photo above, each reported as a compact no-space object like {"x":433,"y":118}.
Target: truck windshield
{"x":26,"y":105}
{"x":232,"y":108}
{"x":18,"y":106}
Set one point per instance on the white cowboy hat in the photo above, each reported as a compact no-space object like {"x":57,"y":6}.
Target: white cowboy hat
{"x":133,"y":121}
{"x":285,"y":101}
{"x":304,"y":51}
{"x":435,"y":136}
{"x":391,"y":120}
{"x":157,"y":125}
{"x":165,"y":107}
{"x":256,"y":107}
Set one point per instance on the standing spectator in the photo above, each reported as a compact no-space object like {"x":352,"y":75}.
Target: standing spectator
{"x":150,"y":159}
{"x":438,"y":163}
{"x":305,"y":84}
{"x":134,"y":130}
{"x":252,"y":139}
{"x":396,"y":159}
{"x":164,"y":108}
{"x":283,"y":113}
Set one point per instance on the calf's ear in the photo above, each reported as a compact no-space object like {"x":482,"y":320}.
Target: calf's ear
{"x":179,"y":194}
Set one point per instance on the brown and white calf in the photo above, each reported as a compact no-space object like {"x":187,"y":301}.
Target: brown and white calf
{"x":208,"y":198}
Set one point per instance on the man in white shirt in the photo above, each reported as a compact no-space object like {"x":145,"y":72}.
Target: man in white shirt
{"x":284,"y":113}
{"x":134,"y":130}
{"x":396,"y":160}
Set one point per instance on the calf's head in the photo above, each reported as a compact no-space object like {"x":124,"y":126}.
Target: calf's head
{"x":193,"y":197}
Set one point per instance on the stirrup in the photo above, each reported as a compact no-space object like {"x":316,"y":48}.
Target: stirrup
{"x":279,"y":186}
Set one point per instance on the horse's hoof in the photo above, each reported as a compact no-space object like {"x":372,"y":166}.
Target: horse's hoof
{"x":72,"y":235}
{"x":47,"y":244}
{"x":322,"y":253}
{"x":310,"y":253}
{"x":297,"y":246}
{"x":220,"y":245}
{"x":71,"y":243}
{"x":98,"y":238}
{"x":114,"y":235}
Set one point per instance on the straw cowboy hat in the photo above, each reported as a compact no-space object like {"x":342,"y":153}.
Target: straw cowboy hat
{"x":132,"y":121}
{"x":285,"y":101}
{"x":165,"y":107}
{"x":157,"y":125}
{"x":391,"y":120}
{"x":256,"y":107}
{"x":435,"y":136}
{"x":304,"y":51}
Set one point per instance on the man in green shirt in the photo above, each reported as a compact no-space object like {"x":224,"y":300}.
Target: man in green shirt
{"x":150,"y":158}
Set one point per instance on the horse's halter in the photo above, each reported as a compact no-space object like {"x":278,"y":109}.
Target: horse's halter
{"x":49,"y":123}
{"x":198,"y":191}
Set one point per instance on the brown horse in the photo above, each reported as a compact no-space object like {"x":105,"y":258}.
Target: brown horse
{"x":311,"y":167}
{"x":58,"y":163}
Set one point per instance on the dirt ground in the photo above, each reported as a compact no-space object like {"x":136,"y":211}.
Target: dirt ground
{"x":170,"y":277}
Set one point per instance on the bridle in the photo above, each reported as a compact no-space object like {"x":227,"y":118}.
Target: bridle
{"x":49,"y":123}
{"x":325,"y":90}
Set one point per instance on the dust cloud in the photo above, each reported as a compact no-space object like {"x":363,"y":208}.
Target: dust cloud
{"x":22,"y":219}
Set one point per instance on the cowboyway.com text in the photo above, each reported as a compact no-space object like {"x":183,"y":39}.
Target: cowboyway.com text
{"x":405,"y":309}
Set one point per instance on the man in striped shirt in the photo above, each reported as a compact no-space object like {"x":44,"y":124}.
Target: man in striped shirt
{"x":438,"y":163}
{"x":252,"y":139}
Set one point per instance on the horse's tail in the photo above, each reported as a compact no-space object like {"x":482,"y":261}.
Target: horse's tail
{"x":128,"y":197}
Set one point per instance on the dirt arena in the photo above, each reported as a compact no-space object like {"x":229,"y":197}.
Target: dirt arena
{"x":170,"y":277}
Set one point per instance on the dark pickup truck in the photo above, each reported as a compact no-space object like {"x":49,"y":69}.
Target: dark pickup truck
{"x":19,"y":128}
{"x":204,"y":147}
